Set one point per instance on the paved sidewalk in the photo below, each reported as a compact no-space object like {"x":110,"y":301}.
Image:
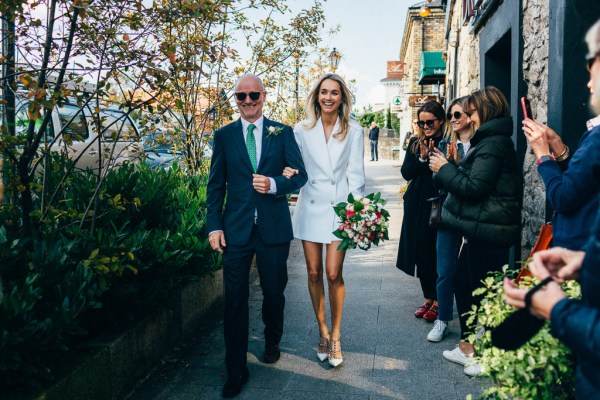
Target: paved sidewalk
{"x":386,"y":353}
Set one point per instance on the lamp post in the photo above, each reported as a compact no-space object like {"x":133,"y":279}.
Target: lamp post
{"x":334,"y":59}
{"x":297,"y":106}
{"x":424,"y":12}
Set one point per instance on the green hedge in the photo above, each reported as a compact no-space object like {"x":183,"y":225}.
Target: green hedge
{"x":80,"y":278}
{"x":543,"y":368}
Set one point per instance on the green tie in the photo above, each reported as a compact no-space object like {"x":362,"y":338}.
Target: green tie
{"x":251,"y":146}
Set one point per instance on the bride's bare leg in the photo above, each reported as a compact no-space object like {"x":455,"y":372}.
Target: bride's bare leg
{"x":334,"y":262}
{"x":313,"y":252}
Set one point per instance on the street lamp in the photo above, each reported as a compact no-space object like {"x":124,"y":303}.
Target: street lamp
{"x":297,"y":107}
{"x":334,"y":59}
{"x":424,"y":12}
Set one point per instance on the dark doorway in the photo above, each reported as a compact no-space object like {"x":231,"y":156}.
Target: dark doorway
{"x":498,"y":62}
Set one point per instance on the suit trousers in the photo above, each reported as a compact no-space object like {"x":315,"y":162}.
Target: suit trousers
{"x":474,"y":263}
{"x":374,"y":150}
{"x":271,"y":262}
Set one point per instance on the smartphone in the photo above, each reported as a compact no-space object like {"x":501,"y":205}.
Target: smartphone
{"x":526,"y":105}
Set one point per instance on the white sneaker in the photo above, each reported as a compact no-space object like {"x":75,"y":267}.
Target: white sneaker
{"x":457,"y":356}
{"x":439,"y":330}
{"x":473,"y":369}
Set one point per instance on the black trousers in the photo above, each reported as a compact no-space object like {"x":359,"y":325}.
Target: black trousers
{"x":271,"y":261}
{"x":428,"y":282}
{"x":474,"y":263}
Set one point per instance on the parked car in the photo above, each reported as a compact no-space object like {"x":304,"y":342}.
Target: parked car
{"x":162,"y":150}
{"x":111,"y":140}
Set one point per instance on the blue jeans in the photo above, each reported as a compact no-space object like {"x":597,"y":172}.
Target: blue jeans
{"x":447,"y":246}
{"x":374,"y":150}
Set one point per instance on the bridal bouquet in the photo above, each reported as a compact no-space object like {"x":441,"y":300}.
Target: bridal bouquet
{"x":363,"y":222}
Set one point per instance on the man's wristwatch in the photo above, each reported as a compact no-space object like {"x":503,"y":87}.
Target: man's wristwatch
{"x":544,"y":158}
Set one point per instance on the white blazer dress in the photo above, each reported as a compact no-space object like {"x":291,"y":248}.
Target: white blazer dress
{"x":334,"y":170}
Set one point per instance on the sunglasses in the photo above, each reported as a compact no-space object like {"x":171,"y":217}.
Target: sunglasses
{"x":455,"y":114}
{"x":241,"y":96}
{"x":590,"y":58}
{"x":429,"y":123}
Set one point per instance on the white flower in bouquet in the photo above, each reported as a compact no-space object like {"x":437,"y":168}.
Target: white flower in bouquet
{"x":363,"y":222}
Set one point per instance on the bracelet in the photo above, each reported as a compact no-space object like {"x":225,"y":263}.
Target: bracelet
{"x":564,"y":155}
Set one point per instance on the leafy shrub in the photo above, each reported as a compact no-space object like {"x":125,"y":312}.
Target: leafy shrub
{"x":97,"y":261}
{"x":541,"y":369}
{"x":38,"y":312}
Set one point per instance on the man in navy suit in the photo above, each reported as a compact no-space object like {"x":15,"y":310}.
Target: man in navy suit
{"x":249,"y":156}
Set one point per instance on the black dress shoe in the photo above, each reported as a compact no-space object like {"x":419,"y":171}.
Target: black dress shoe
{"x":234,"y":384}
{"x":272,"y":353}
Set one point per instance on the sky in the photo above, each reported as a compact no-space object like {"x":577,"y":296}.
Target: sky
{"x":370,"y":34}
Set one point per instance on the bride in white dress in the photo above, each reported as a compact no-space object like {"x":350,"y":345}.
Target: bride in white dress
{"x":333,"y":152}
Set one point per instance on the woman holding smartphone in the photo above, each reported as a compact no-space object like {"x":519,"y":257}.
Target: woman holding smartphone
{"x":417,"y":238}
{"x":572,"y":188}
{"x":449,"y":241}
{"x":575,"y":323}
{"x":483,"y":205}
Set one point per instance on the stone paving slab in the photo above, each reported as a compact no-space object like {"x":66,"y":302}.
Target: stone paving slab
{"x":386,"y":353}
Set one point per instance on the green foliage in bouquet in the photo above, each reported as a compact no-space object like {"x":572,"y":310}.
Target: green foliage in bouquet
{"x":543,"y":368}
{"x":363,"y":222}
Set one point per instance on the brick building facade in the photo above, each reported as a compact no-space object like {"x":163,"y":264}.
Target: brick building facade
{"x":421,"y":34}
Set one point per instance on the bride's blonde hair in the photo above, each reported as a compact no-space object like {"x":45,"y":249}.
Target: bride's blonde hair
{"x":313,"y":108}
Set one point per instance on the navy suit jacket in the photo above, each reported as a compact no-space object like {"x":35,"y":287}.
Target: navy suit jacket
{"x":230,"y":185}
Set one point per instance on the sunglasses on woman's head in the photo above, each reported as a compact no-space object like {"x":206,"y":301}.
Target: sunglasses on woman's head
{"x":429,"y":123}
{"x":241,"y":96}
{"x":455,"y":114}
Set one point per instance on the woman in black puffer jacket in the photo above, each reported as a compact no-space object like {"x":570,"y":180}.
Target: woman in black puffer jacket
{"x":483,"y":204}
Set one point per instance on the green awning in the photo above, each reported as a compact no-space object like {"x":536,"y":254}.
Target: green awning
{"x":433,"y":68}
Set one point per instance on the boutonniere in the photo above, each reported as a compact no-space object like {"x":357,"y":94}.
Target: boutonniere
{"x":273,"y":130}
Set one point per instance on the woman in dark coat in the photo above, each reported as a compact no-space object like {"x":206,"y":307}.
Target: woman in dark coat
{"x":417,"y":240}
{"x":483,"y":204}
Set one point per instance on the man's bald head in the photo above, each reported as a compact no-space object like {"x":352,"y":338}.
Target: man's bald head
{"x":249,"y":77}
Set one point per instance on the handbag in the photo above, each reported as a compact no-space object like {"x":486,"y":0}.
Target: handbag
{"x":435,"y":216}
{"x":542,"y":243}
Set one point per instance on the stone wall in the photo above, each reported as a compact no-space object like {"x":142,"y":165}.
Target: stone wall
{"x":110,"y":366}
{"x":462,"y":63}
{"x":535,"y":75}
{"x":387,"y":146}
